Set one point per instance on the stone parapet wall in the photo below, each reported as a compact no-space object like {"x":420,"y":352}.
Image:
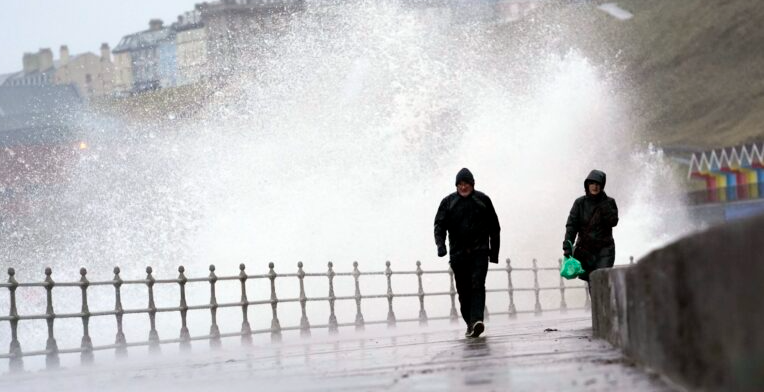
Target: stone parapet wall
{"x":694,"y":310}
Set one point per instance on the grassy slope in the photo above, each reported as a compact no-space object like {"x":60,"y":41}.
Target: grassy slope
{"x":698,"y":66}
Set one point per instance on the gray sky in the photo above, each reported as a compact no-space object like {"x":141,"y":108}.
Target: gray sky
{"x":28,"y":25}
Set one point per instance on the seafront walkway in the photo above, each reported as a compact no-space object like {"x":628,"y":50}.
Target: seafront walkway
{"x":552,"y":352}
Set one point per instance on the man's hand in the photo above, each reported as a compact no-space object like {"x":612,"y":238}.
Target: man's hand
{"x":566,"y":253}
{"x":442,"y":250}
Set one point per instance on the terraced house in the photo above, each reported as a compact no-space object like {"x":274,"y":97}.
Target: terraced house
{"x":90,"y":74}
{"x":147,"y":60}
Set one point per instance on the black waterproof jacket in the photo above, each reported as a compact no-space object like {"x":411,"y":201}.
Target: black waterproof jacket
{"x":592,"y":218}
{"x":472,"y":226}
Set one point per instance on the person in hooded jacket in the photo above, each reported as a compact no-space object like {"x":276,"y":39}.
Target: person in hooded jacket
{"x":469,"y":219}
{"x":590,"y":226}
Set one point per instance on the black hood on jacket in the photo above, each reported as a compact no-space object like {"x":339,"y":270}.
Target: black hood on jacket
{"x":597,"y":176}
{"x":466,"y":176}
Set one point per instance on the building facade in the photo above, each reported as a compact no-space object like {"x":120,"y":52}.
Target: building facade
{"x":191,"y":44}
{"x":151,"y":58}
{"x":123,"y":73}
{"x":233,"y":27}
{"x":92,"y":75}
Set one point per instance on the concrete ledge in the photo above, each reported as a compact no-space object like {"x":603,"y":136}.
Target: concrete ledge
{"x":693,"y":310}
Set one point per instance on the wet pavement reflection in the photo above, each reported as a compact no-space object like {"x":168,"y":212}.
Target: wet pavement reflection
{"x":532,"y":354}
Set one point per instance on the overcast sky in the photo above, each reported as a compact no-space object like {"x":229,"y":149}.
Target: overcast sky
{"x":28,"y":25}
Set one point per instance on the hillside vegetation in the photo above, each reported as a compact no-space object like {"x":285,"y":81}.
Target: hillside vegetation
{"x":697,"y":66}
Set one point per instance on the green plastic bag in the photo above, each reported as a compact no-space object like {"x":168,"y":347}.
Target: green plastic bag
{"x":571,"y":268}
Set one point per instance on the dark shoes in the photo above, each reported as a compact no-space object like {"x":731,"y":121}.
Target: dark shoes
{"x":475,"y":329}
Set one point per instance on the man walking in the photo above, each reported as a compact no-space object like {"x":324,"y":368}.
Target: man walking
{"x":473,"y":230}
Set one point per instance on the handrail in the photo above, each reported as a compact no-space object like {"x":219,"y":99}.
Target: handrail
{"x":51,"y":352}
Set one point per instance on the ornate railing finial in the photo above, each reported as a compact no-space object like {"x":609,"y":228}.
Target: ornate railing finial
{"x":51,"y":347}
{"x":275,"y":325}
{"x":16,"y":355}
{"x":214,"y":329}
{"x":333,"y":327}
{"x":304,"y":324}
{"x":153,"y":334}
{"x":246,"y":329}
{"x":86,"y":344}
{"x":390,"y":313}
{"x":119,"y":340}
{"x":359,"y":323}
{"x":512,"y":310}
{"x":185,"y":336}
{"x":420,"y":294}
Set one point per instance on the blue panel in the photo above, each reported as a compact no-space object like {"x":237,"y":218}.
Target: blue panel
{"x":743,"y":210}
{"x":731,"y":186}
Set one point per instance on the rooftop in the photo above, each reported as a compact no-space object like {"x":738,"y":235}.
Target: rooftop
{"x":144,"y":39}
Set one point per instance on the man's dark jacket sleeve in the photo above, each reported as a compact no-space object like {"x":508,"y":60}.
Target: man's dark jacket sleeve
{"x":494,"y":237}
{"x":441,"y":224}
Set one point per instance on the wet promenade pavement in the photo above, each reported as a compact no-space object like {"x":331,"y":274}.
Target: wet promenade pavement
{"x":550,"y":353}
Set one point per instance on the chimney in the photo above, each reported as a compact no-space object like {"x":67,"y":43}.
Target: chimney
{"x":63,"y":55}
{"x":46,"y":59}
{"x":155,"y":24}
{"x":105,"y":52}
{"x":30,"y":63}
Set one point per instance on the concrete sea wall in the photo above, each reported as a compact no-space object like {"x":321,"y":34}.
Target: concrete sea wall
{"x":694,"y":310}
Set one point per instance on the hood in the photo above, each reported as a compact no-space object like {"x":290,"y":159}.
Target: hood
{"x":466,"y":176}
{"x":597,"y":176}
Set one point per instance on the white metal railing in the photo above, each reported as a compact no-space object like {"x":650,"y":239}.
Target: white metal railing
{"x":86,"y":349}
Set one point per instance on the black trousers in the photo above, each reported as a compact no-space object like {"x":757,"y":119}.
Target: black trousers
{"x":604,"y":258}
{"x":469,"y":275}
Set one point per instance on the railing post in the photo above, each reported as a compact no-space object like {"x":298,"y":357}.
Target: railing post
{"x":214,"y":329}
{"x":51,"y":347}
{"x":153,"y":334}
{"x":454,"y":317}
{"x":422,"y":312}
{"x":536,"y":287}
{"x":16,"y":356}
{"x":631,"y":260}
{"x":359,"y":323}
{"x":390,"y":313}
{"x":86,"y":357}
{"x":246,"y":329}
{"x":563,"y":304}
{"x":512,"y":310}
{"x":304,"y":324}
{"x":185,"y":336}
{"x":119,"y":341}
{"x":275,"y":325}
{"x":333,"y":328}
